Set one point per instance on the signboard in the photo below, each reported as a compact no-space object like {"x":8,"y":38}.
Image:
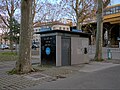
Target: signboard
{"x":45,"y":29}
{"x":48,"y":51}
{"x":75,"y":30}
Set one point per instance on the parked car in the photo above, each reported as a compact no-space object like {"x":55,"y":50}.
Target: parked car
{"x":4,"y":46}
{"x":1,"y":46}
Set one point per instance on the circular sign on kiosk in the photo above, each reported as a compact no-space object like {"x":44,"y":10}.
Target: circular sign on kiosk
{"x":47,"y":50}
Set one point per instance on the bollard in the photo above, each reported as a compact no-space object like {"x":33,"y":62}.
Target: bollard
{"x":109,"y":54}
{"x":85,"y":50}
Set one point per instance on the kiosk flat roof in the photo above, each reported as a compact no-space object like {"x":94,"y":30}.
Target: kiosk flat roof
{"x":82,"y":34}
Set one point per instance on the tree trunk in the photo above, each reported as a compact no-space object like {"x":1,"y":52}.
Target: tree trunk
{"x":109,"y":36}
{"x":98,"y":54}
{"x":23,"y":65}
{"x":11,"y":34}
{"x":78,"y":24}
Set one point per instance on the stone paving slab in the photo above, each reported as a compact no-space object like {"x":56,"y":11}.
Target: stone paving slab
{"x":15,"y":82}
{"x":19,"y":82}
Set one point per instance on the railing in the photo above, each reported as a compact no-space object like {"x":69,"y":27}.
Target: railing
{"x":112,"y":10}
{"x":115,"y":52}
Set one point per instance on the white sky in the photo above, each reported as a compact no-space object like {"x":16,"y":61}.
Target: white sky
{"x":113,"y":2}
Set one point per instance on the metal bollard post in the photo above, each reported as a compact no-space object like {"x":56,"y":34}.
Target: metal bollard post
{"x":109,"y":54}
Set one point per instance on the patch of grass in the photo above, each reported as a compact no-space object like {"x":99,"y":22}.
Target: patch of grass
{"x":8,"y":53}
{"x":8,"y":56}
{"x":13,"y":71}
{"x":99,"y":60}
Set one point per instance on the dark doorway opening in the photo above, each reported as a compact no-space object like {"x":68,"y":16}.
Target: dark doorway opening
{"x":66,"y":51}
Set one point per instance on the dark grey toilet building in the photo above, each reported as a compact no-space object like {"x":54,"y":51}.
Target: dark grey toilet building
{"x":62,"y":48}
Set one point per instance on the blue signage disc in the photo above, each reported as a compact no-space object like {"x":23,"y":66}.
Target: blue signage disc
{"x":47,"y":50}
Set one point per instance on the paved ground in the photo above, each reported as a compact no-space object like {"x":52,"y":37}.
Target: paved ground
{"x":14,"y":82}
{"x":47,"y":74}
{"x":18,"y":82}
{"x":105,"y":79}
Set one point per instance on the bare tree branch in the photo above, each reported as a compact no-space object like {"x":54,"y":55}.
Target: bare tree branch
{"x":4,"y":20}
{"x":105,"y":3}
{"x":7,"y":8}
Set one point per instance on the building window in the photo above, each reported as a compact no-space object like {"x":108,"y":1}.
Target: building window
{"x":108,"y":12}
{"x":60,"y":28}
{"x":113,"y":10}
{"x":68,"y":29}
{"x":36,"y":39}
{"x":54,"y":28}
{"x":63,"y":28}
{"x":119,"y":9}
{"x":36,"y":30}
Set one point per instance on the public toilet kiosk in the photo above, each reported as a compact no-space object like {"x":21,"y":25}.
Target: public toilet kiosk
{"x":62,"y":48}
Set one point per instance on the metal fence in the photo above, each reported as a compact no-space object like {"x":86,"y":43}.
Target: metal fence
{"x":115,"y":52}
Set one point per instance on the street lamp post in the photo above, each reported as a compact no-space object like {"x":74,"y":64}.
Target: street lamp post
{"x":17,"y":40}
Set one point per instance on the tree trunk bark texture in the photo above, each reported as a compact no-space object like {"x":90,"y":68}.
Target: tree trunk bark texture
{"x":11,"y":34}
{"x":98,"y":55}
{"x":78,"y":24}
{"x":23,"y":65}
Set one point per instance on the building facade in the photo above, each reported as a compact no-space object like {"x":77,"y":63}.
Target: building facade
{"x":111,"y":30}
{"x":111,"y":26}
{"x":46,"y":26}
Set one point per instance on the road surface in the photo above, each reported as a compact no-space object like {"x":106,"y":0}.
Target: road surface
{"x":102,"y":79}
